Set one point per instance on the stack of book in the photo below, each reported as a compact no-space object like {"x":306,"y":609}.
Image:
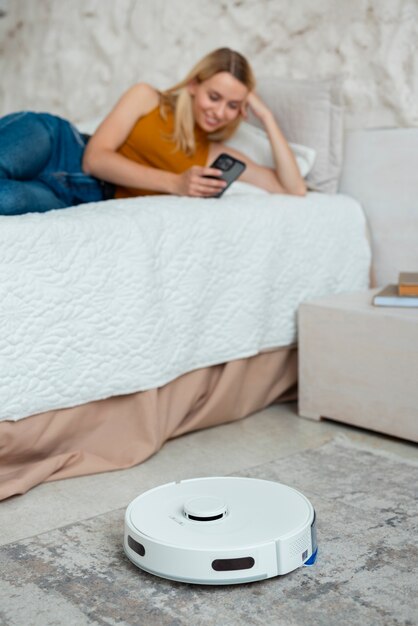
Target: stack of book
{"x":405,"y":293}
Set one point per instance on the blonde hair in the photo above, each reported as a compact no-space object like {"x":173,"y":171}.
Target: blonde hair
{"x":179,"y":100}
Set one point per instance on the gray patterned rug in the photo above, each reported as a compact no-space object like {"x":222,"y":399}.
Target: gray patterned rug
{"x":366,"y":572}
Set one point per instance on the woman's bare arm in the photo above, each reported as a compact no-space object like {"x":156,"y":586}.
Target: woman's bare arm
{"x":285,"y":178}
{"x":100,"y":156}
{"x":102,"y":160}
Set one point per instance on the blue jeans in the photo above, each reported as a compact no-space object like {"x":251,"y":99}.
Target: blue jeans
{"x":40,"y":165}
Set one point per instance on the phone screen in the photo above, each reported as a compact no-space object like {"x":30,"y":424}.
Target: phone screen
{"x":231,"y":168}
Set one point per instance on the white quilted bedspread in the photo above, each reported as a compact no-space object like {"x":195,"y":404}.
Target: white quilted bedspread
{"x":122,"y":296}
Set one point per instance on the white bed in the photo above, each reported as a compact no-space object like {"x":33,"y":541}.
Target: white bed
{"x":127,"y":295}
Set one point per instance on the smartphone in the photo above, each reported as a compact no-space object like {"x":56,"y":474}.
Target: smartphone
{"x":231,"y":168}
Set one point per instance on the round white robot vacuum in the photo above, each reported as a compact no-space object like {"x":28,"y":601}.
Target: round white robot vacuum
{"x":219,"y":531}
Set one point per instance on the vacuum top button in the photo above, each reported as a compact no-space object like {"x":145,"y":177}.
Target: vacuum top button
{"x":205,"y":507}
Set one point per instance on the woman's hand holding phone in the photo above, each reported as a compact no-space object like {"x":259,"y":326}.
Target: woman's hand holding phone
{"x":200,"y":182}
{"x":231,"y":169}
{"x":210,"y":182}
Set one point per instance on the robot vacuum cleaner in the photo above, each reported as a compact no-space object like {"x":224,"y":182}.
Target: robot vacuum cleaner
{"x":220,"y":531}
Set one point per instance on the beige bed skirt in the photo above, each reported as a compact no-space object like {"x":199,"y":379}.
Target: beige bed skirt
{"x":123,"y":431}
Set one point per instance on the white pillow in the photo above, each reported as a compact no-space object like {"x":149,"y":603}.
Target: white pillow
{"x":238,"y":187}
{"x":89,"y":127}
{"x":254,"y":143}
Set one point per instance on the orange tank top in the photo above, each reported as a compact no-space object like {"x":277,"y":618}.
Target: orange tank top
{"x":149,"y":144}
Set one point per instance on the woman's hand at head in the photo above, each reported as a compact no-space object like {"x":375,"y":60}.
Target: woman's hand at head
{"x":256,"y":105}
{"x":195,"y":182}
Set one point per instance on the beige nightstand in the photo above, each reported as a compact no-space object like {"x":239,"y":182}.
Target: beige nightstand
{"x":358,"y":363}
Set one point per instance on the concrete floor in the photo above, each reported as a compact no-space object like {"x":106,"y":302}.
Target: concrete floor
{"x":274,"y":433}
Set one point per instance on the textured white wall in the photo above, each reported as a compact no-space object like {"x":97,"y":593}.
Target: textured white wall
{"x":75,"y":57}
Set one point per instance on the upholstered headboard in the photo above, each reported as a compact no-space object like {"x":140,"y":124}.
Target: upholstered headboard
{"x":380,"y":170}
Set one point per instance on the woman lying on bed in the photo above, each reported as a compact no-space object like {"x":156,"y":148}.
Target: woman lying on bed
{"x":151,"y":143}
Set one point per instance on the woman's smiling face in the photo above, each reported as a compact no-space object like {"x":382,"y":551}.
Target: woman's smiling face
{"x":217,"y":101}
